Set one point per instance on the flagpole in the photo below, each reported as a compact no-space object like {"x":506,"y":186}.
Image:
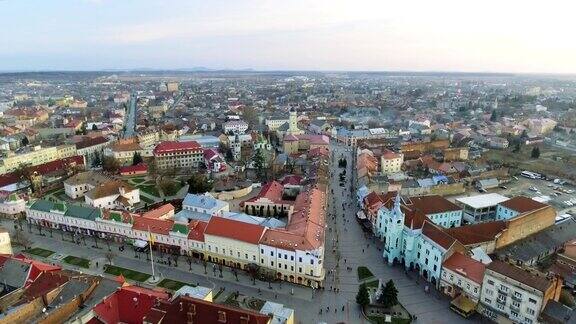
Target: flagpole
{"x":151,"y":256}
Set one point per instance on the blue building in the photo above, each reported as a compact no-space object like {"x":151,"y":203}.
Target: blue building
{"x":412,"y":234}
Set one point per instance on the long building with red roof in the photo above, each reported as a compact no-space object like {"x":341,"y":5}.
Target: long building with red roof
{"x":173,"y":154}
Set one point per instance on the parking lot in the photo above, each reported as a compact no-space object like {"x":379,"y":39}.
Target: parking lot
{"x":562,"y":197}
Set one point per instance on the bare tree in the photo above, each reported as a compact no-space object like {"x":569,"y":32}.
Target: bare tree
{"x":20,"y":238}
{"x":175,"y":258}
{"x":189,"y":260}
{"x":110,"y":257}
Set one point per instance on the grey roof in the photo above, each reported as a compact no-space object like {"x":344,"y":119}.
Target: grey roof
{"x":13,"y":275}
{"x":105,"y":288}
{"x":541,"y":243}
{"x":202,"y":201}
{"x":72,"y":288}
{"x":557,"y":311}
{"x":189,"y":215}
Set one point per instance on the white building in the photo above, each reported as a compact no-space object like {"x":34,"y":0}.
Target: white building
{"x":462,"y":275}
{"x":512,"y":294}
{"x":12,"y":206}
{"x":5,"y":244}
{"x":391,"y":162}
{"x":235,"y":126}
{"x":480,"y":208}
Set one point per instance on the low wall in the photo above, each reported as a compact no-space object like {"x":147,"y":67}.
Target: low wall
{"x":233,"y":194}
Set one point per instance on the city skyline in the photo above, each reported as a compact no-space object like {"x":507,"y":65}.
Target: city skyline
{"x":445,"y":36}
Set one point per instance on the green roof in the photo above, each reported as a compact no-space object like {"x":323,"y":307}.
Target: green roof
{"x":71,"y":210}
{"x":117,"y":217}
{"x":180,"y":228}
{"x":42,"y":205}
{"x":60,"y":206}
{"x":88,"y":213}
{"x":13,"y":197}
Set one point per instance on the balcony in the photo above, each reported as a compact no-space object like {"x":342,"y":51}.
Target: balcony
{"x":502,"y":291}
{"x":515,"y":308}
{"x":516,"y":297}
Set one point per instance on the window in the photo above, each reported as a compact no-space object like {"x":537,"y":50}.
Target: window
{"x":503,"y":288}
{"x":490,"y":282}
{"x":529,"y":310}
{"x":311,"y":261}
{"x":262,"y":251}
{"x":487,"y":300}
{"x":518,"y":295}
{"x":221,"y":316}
{"x":533,"y":301}
{"x":271,"y":253}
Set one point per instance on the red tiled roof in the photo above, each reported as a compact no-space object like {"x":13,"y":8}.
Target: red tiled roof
{"x":46,"y":282}
{"x":128,"y":305}
{"x":158,"y":226}
{"x":436,"y":234}
{"x":272,"y":190}
{"x":535,"y":281}
{"x":173,"y":146}
{"x":465,"y":266}
{"x":87,"y":142}
{"x":477,"y":233}
{"x":184,"y":309}
{"x":522,"y":204}
{"x":10,"y":178}
{"x":235,"y":230}
{"x":196,"y":230}
{"x":159,"y":212}
{"x":141,"y":167}
{"x":305,"y":231}
{"x":433,"y":204}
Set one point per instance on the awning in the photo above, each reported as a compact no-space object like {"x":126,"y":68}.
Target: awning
{"x":464,"y":304}
{"x":140,"y":243}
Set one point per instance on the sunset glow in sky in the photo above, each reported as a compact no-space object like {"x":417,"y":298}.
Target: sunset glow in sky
{"x":379,"y":35}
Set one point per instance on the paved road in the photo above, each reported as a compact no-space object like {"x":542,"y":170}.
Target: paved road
{"x":344,"y":235}
{"x":352,"y":245}
{"x":130,"y":123}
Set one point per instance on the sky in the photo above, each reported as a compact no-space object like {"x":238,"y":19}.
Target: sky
{"x":354,"y":35}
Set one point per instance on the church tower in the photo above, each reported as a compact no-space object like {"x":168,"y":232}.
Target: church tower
{"x":394,"y":228}
{"x":293,"y":123}
{"x":237,"y":148}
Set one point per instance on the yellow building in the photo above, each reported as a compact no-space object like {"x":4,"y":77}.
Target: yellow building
{"x":35,"y":156}
{"x":232,"y":243}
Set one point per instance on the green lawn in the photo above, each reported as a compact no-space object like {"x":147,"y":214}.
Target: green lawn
{"x":127,"y":273}
{"x":40,"y":252}
{"x":173,"y":284}
{"x":81,"y":262}
{"x":364,"y":273}
{"x":147,"y":200}
{"x":137,"y":180}
{"x":150,"y":189}
{"x":372,"y":284}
